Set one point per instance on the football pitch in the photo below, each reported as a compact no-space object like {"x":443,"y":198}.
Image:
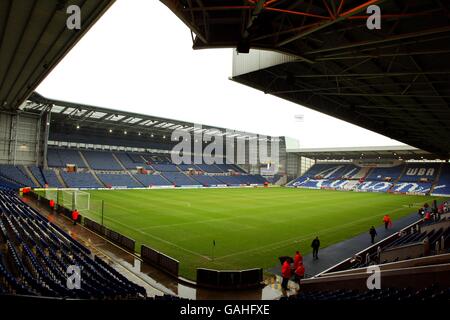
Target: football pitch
{"x":251,"y":227}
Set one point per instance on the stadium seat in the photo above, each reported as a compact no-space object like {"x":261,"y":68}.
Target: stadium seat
{"x":46,"y":252}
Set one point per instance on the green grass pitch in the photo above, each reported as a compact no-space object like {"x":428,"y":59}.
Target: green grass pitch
{"x":251,"y":226}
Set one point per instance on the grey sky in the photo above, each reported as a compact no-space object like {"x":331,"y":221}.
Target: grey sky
{"x":139,"y":58}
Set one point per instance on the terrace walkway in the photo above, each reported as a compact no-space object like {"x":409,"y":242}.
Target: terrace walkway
{"x":335,"y":253}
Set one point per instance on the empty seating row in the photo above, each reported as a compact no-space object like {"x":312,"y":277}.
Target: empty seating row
{"x":433,"y":293}
{"x":179,"y":179}
{"x":16,"y":174}
{"x":38,"y":255}
{"x":99,"y":160}
{"x":80,"y":180}
{"x":127,"y":161}
{"x":385,"y":173}
{"x":62,"y":157}
{"x":150,"y":180}
{"x":118,"y":180}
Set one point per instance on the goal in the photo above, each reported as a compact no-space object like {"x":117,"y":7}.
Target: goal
{"x":51,"y":194}
{"x":75,"y":199}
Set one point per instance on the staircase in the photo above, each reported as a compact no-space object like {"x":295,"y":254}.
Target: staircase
{"x":60,"y":179}
{"x":401,"y":175}
{"x":126,"y":170}
{"x":90,"y":169}
{"x":398,"y":179}
{"x":282,"y":181}
{"x":31,"y":176}
{"x":362,"y":173}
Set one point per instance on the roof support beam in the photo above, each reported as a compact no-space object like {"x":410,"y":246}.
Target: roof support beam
{"x":341,"y":17}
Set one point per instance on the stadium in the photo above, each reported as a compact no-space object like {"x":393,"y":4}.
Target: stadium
{"x":104,"y":204}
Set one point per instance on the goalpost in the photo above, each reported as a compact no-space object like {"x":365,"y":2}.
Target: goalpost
{"x":51,"y":194}
{"x":75,"y":199}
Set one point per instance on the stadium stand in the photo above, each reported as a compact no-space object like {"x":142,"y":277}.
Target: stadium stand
{"x":179,"y":179}
{"x":16,"y":175}
{"x":38,"y":174}
{"x":206,"y":180}
{"x":413,"y":187}
{"x":227,"y":167}
{"x":99,"y":160}
{"x":410,"y":178}
{"x":416,"y":172}
{"x":63,"y":157}
{"x":209,"y":168}
{"x":432,"y":293}
{"x":8,"y":185}
{"x":51,"y":178}
{"x":126,"y":161}
{"x":166,"y":167}
{"x":187,"y":167}
{"x":443,"y":184}
{"x":149,"y":180}
{"x":80,"y":180}
{"x":38,"y":254}
{"x":118,"y":180}
{"x":374,"y":186}
{"x":136,"y":158}
{"x":385,"y":173}
{"x":53,"y":158}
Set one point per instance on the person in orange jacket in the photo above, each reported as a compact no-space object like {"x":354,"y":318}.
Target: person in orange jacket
{"x":299,"y":272}
{"x":297,"y":259}
{"x":386,"y":220}
{"x":285,"y":274}
{"x":75,"y":216}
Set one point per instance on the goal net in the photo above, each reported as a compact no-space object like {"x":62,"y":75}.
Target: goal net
{"x":75,"y":199}
{"x":51,"y":194}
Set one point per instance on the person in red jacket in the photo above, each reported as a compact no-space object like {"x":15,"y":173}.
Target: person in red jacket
{"x":297,"y":259}
{"x":52,"y":204}
{"x":427,"y":216}
{"x":386,"y":220}
{"x":75,"y":216}
{"x":285,"y":274}
{"x":299,"y":272}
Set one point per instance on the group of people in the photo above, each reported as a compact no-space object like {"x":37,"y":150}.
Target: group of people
{"x":75,"y":215}
{"x":297,"y":268}
{"x":287,"y":270}
{"x":387,"y":221}
{"x":428,"y":214}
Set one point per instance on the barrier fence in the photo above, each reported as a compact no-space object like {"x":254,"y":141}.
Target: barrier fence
{"x":160,"y":260}
{"x":115,"y":237}
{"x":223,"y":279}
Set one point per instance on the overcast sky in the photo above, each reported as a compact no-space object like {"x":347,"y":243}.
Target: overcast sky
{"x":139,"y":58}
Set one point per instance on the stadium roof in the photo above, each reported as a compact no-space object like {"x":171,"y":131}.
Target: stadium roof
{"x":367,"y":153}
{"x":70,"y":114}
{"x":394,"y":81}
{"x":34,"y":38}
